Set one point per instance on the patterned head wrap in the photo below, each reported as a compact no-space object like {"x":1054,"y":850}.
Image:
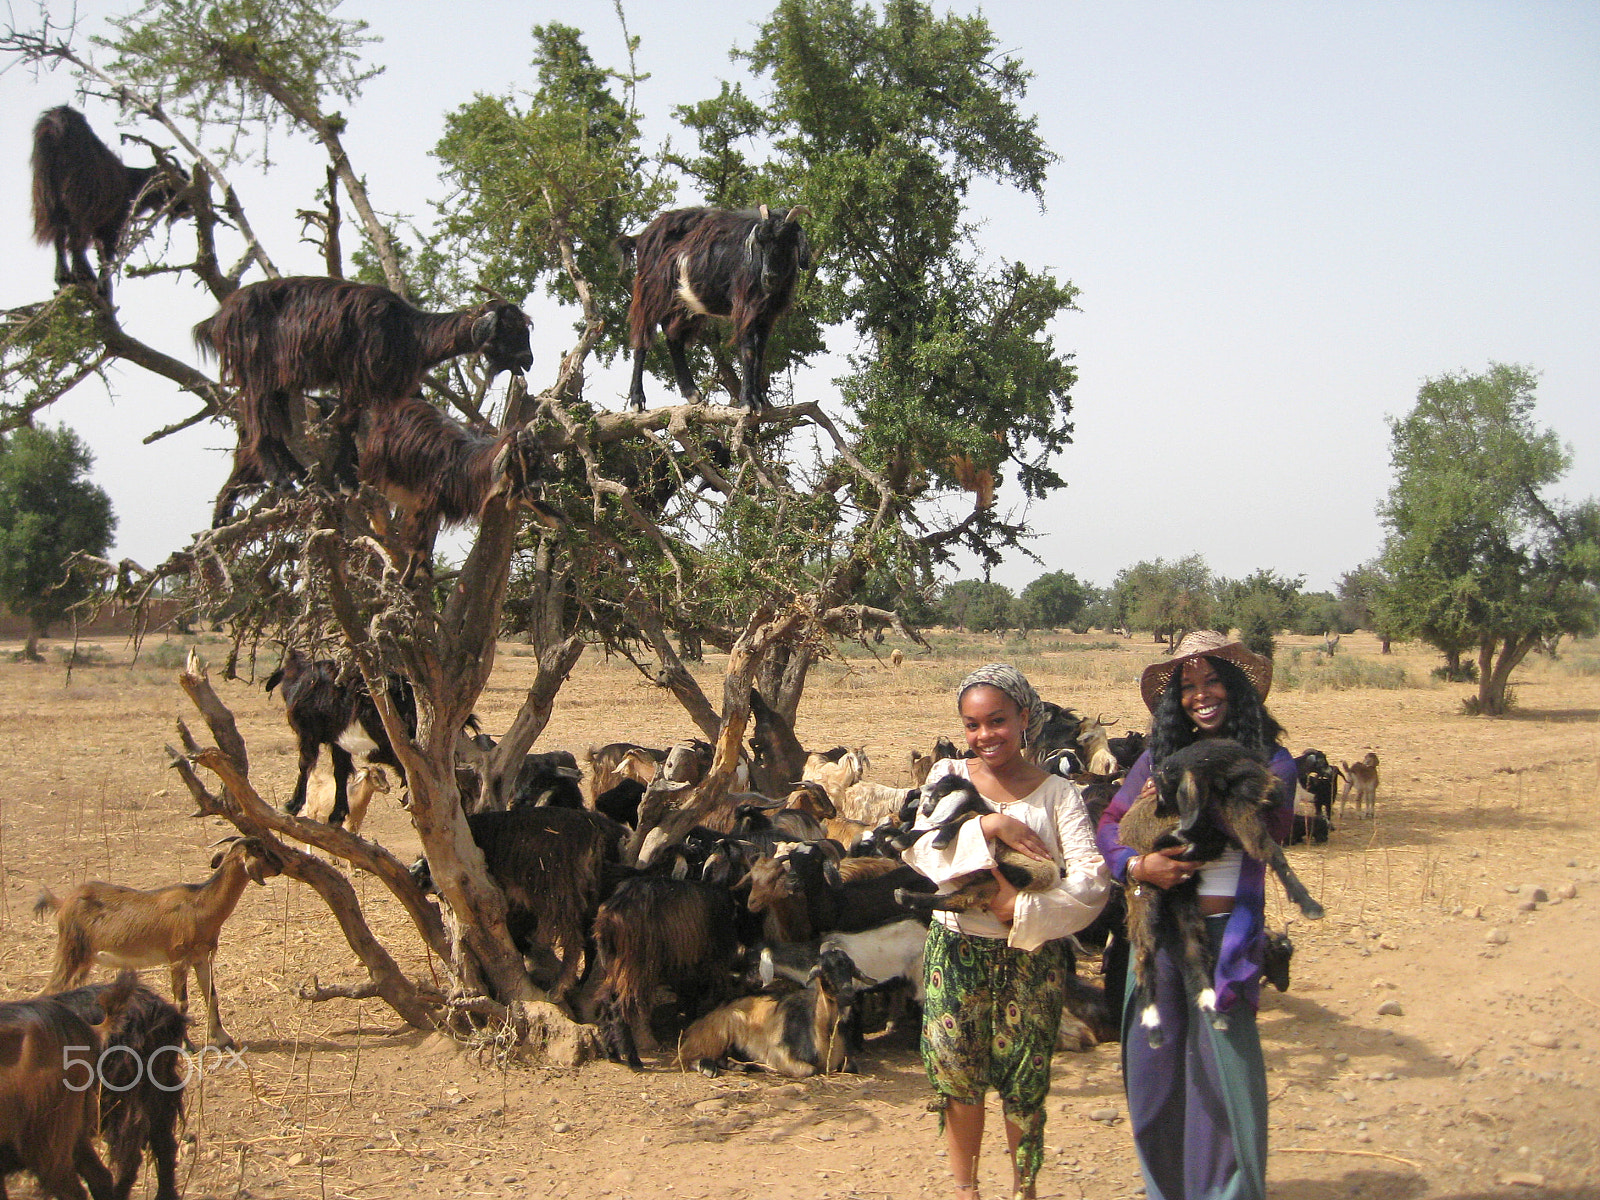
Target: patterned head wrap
{"x":1005,"y":678}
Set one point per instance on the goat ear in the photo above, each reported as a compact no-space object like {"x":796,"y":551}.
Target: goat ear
{"x":483,"y":328}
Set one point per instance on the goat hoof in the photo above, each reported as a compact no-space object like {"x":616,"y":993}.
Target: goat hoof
{"x":708,"y":1067}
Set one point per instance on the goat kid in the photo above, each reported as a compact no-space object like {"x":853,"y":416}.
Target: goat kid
{"x":1211,"y":794}
{"x":799,"y":1035}
{"x":176,"y":926}
{"x":283,"y":338}
{"x":946,"y":806}
{"x":1361,"y":786}
{"x":83,"y":193}
{"x":695,"y":263}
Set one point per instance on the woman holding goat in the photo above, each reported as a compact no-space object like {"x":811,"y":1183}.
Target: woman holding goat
{"x":994,"y":973}
{"x":1198,"y":1101}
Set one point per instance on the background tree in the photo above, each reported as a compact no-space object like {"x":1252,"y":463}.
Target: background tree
{"x":1054,"y":600}
{"x":1363,"y":594}
{"x":1477,"y":556}
{"x":977,"y":606}
{"x":1259,"y":606}
{"x":1168,"y":599}
{"x":49,"y":512}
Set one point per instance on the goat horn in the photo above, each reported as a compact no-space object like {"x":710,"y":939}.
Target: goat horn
{"x":1105,"y":724}
{"x":765,"y":215}
{"x":223,"y":841}
{"x":491,"y":293}
{"x":798,"y":211}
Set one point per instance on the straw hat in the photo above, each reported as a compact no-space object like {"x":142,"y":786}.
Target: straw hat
{"x":1205,"y":643}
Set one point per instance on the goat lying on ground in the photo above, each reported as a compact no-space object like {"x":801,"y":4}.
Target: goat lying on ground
{"x":141,"y":1101}
{"x":946,"y":806}
{"x":49,"y":1110}
{"x":1360,"y":785}
{"x":798,"y":1035}
{"x":177,"y":926}
{"x":83,"y":193}
{"x":324,"y":710}
{"x":1211,"y":794}
{"x":284,"y":338}
{"x":694,"y":263}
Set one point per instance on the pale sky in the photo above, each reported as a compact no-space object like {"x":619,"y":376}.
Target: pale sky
{"x":1282,"y":218}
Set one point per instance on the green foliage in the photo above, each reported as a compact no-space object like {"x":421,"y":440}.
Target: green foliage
{"x":1476,"y":557}
{"x":44,"y":351}
{"x":523,"y":177}
{"x":1054,"y":600}
{"x":1168,"y":599}
{"x":243,"y":65}
{"x":1341,"y":673}
{"x":1316,"y":613}
{"x":977,"y":606}
{"x":49,"y":510}
{"x":879,"y":124}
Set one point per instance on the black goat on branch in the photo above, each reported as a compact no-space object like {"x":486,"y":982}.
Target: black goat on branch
{"x":285,"y":337}
{"x":436,"y":471}
{"x":694,"y":263}
{"x":82,"y":193}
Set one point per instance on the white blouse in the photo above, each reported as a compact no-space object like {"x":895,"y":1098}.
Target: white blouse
{"x":1054,"y":810}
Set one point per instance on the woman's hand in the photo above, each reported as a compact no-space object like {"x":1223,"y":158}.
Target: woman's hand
{"x":1003,"y":907}
{"x":1161,"y":868}
{"x":1015,"y":834}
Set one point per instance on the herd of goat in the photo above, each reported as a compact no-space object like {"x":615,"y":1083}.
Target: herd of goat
{"x":284,"y":343}
{"x":779,"y":919}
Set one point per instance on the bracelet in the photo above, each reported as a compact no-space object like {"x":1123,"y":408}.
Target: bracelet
{"x":1128,"y":870}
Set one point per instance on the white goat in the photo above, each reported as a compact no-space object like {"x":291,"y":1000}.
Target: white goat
{"x":837,"y":777}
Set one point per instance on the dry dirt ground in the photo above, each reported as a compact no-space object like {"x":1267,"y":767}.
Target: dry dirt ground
{"x":1438,"y":1040}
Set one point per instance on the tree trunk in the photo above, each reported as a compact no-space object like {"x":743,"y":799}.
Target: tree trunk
{"x":30,"y":650}
{"x":782,"y":678}
{"x":1494,"y":672}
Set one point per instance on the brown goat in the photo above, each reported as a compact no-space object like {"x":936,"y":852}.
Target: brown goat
{"x":177,"y":926}
{"x":49,"y":1095}
{"x":436,"y":471}
{"x":695,"y":263}
{"x":798,"y":1035}
{"x":1360,"y":785}
{"x":283,"y":338}
{"x":82,"y":193}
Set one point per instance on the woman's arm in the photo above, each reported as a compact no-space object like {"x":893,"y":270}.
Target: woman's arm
{"x":1107,"y":833}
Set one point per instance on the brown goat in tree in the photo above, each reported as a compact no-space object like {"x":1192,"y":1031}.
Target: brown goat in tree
{"x":177,"y":926}
{"x":83,"y":193}
{"x":283,"y":338}
{"x":436,"y":471}
{"x":695,"y":263}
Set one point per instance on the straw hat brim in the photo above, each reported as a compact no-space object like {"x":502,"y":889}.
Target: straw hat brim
{"x":1157,"y":675}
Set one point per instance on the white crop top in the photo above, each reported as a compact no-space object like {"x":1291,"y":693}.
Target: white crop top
{"x":1220,"y":876}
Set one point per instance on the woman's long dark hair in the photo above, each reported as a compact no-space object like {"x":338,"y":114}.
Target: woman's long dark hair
{"x":1248,"y":723}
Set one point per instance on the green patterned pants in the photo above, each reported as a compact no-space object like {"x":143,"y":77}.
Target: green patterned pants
{"x":989,"y":1019}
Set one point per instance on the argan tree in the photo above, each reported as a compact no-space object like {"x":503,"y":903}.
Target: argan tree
{"x":1478,"y":557}
{"x":767,"y":535}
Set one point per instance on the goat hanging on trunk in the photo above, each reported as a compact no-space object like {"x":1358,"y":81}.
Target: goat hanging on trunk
{"x":83,"y":193}
{"x":282,"y":338}
{"x":436,"y":471}
{"x":694,"y":263}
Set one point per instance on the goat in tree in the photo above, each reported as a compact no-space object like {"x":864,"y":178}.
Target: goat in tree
{"x":694,"y":263}
{"x":83,"y":193}
{"x":283,"y":338}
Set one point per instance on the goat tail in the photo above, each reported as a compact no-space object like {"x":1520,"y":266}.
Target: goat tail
{"x":45,"y":901}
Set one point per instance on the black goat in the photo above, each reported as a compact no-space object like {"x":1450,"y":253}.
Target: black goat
{"x":141,"y":1101}
{"x":324,"y":710}
{"x":550,"y":778}
{"x":655,"y":931}
{"x":777,"y":759}
{"x":552,"y":864}
{"x":1211,"y":794}
{"x":1127,"y":749}
{"x":82,"y":193}
{"x":286,"y":337}
{"x":694,"y":263}
{"x":436,"y":471}
{"x":947,"y":805}
{"x":1320,"y":778}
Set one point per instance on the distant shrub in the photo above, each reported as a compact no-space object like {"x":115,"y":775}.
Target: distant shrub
{"x":164,"y":655}
{"x":84,"y":654}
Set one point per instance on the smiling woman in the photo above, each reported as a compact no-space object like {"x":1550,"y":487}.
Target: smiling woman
{"x":994,"y":978}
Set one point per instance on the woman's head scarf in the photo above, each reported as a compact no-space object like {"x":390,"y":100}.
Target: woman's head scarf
{"x":1005,"y":678}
